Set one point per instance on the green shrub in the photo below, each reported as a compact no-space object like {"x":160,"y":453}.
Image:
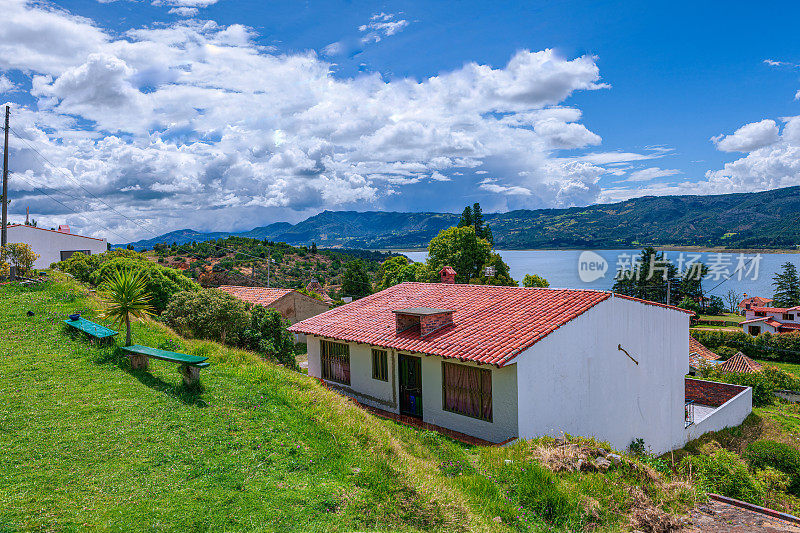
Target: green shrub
{"x":725,"y":473}
{"x":267,"y":335}
{"x":207,"y":314}
{"x":764,"y":383}
{"x":784,"y":347}
{"x":766,"y":453}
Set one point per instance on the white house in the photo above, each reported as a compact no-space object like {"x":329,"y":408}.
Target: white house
{"x":498,"y":363}
{"x":771,"y":320}
{"x":54,"y":245}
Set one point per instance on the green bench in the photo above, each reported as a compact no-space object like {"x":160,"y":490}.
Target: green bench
{"x":91,"y":328}
{"x":190,"y":364}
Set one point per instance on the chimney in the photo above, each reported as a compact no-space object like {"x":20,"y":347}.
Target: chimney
{"x":426,"y":319}
{"x":448,"y":275}
{"x":63,"y":228}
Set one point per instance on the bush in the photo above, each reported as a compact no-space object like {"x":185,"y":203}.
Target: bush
{"x":764,"y":383}
{"x":216,"y":315}
{"x":267,"y":335}
{"x":783,"y":347}
{"x":766,"y":453}
{"x":207,"y":314}
{"x":725,"y":473}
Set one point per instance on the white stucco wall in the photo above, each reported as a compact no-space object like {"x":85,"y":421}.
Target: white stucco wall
{"x":729,"y":414}
{"x":763,"y":328}
{"x":576,"y":381}
{"x":385,"y":395}
{"x":49,"y":244}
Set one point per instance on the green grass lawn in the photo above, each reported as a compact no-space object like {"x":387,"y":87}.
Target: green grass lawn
{"x":733,"y":317}
{"x":88,"y":444}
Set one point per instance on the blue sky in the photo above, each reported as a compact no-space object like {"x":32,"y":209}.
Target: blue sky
{"x":230,"y":114}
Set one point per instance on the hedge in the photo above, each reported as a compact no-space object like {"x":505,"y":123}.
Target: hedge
{"x":783,"y":347}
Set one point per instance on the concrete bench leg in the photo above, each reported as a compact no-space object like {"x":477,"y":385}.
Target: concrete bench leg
{"x":191,"y":375}
{"x":139,"y":362}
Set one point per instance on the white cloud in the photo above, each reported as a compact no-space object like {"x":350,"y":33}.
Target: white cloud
{"x":194,"y":124}
{"x":6,"y":85}
{"x":184,"y":11}
{"x":749,"y":137}
{"x":651,"y":173}
{"x":381,"y":25}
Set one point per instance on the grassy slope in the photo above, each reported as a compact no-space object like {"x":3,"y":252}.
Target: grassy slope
{"x":85,"y":443}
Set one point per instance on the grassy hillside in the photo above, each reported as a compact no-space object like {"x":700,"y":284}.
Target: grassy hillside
{"x":87,"y":444}
{"x":745,"y":220}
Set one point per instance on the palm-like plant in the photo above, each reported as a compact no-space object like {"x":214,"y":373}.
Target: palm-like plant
{"x":125,"y":296}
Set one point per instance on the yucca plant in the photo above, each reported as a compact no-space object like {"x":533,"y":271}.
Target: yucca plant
{"x":125,"y":296}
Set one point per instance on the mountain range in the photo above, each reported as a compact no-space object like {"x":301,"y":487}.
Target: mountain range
{"x":766,"y":219}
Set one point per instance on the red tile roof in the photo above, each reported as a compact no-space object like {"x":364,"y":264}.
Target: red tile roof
{"x":775,"y":309}
{"x":698,"y":352}
{"x":740,"y":363}
{"x":757,"y":300}
{"x":256,"y":295}
{"x":491,"y":324}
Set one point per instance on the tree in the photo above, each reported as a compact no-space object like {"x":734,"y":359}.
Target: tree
{"x":355,"y":280}
{"x":495,"y":272}
{"x":125,"y":297}
{"x":397,"y":270}
{"x":461,"y":249}
{"x":21,"y":256}
{"x":787,"y":286}
{"x":650,"y":277}
{"x":466,"y":217}
{"x":477,"y":219}
{"x":733,"y":298}
{"x":534,"y":280}
{"x":313,"y":248}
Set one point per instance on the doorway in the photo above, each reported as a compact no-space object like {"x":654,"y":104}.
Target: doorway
{"x":410,"y":377}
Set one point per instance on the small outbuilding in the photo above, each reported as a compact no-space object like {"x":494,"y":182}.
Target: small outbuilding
{"x":54,"y":245}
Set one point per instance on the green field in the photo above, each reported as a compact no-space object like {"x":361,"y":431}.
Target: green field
{"x":88,"y":444}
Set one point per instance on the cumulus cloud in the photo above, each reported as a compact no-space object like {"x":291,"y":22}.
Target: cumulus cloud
{"x":749,"y":137}
{"x":6,"y":85}
{"x":381,"y":25}
{"x":194,"y":124}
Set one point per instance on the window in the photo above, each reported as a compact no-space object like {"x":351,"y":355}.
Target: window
{"x":335,"y":361}
{"x":467,"y":390}
{"x":66,"y":254}
{"x":754,"y":330}
{"x":380,"y":368}
{"x":788,"y":316}
{"x":760,"y":313}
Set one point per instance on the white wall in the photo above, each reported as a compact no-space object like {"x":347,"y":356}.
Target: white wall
{"x":49,"y":244}
{"x":385,"y":395}
{"x":729,"y":414}
{"x":576,"y":381}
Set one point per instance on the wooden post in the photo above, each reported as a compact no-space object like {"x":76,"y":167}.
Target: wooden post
{"x":191,"y":375}
{"x":139,"y":362}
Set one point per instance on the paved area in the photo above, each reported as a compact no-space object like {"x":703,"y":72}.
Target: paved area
{"x":702,"y":411}
{"x":718,"y":517}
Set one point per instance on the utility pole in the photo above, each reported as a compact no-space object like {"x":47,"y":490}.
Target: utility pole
{"x":269,"y":260}
{"x":3,"y":230}
{"x":669,"y":284}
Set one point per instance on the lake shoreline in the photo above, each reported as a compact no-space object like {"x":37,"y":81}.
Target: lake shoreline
{"x":702,"y":249}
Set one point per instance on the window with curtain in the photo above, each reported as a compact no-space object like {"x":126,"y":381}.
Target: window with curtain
{"x":380,"y":367}
{"x":467,"y":390}
{"x":335,"y":361}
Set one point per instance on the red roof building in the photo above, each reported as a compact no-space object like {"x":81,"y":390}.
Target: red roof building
{"x":292,"y":305}
{"x":740,"y":363}
{"x":699,"y":353}
{"x":753,"y":301}
{"x":771,"y":320}
{"x":503,"y":362}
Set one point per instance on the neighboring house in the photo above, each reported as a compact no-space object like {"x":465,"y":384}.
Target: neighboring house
{"x":292,"y":305}
{"x":54,"y":245}
{"x":753,"y":301}
{"x":699,"y":355}
{"x":771,"y":320}
{"x":740,"y":363}
{"x":316,"y":286}
{"x":498,"y":363}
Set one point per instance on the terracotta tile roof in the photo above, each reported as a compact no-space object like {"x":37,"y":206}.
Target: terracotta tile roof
{"x":755,"y":300}
{"x":256,"y":295}
{"x":491,"y":324}
{"x":789,"y":326}
{"x":698,"y":352}
{"x":740,"y":363}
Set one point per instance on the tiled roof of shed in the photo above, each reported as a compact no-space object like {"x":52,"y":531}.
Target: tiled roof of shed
{"x":698,"y":352}
{"x":490,"y":324}
{"x":256,"y":295}
{"x":740,"y":363}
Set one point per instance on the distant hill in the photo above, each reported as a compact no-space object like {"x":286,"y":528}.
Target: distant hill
{"x":766,"y":219}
